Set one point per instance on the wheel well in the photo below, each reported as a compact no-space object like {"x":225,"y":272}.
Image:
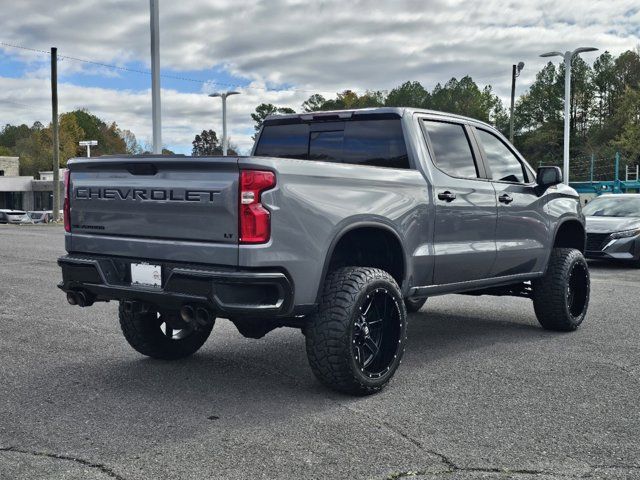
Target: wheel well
{"x":570,"y":235}
{"x":370,"y":247}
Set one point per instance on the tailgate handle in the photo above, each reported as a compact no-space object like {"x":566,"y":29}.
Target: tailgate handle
{"x":142,"y":168}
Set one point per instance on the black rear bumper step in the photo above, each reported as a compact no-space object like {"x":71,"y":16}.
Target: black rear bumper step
{"x":227,"y":291}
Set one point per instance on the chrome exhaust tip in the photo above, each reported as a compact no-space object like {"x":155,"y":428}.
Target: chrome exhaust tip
{"x":187,"y":313}
{"x":71,"y":298}
{"x":81,"y":299}
{"x":202,"y":316}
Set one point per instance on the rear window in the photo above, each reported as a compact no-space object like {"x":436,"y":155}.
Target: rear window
{"x":378,"y":143}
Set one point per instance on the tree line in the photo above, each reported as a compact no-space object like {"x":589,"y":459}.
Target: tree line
{"x":604,"y":107}
{"x":604,"y":115}
{"x":33,"y":144}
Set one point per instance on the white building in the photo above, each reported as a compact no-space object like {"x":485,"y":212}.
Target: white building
{"x":25,"y":193}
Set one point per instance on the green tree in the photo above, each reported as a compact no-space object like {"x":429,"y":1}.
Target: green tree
{"x":349,"y":99}
{"x":206,"y":144}
{"x":263,"y":111}
{"x":409,"y":94}
{"x":314,"y":103}
{"x":109,"y":136}
{"x":628,"y":141}
{"x":132,"y":145}
{"x":464,"y":97}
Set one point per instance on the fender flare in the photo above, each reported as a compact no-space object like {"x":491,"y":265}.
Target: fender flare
{"x":559,"y":223}
{"x":566,"y":219}
{"x":354,"y":225}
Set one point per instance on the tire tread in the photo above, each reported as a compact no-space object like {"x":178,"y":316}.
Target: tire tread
{"x":326,"y":335}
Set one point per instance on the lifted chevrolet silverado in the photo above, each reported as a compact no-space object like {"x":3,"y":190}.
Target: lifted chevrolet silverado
{"x":337,"y":224}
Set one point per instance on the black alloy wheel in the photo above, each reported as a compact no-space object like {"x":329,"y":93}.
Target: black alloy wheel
{"x":376,"y":333}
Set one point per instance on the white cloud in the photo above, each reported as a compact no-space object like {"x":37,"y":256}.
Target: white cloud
{"x":183,"y":114}
{"x":322,"y":45}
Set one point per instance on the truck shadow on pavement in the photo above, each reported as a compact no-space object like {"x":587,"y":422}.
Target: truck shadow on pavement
{"x":248,"y":373}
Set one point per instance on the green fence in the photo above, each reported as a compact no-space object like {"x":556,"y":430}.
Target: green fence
{"x":590,"y":168}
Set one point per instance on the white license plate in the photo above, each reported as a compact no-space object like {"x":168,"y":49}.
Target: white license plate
{"x":145,"y":274}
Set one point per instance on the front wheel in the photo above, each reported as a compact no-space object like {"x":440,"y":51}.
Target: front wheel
{"x":561,"y":296}
{"x":164,"y":336}
{"x":356,"y":340}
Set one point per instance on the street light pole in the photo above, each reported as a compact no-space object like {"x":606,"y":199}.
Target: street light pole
{"x":223,"y":96}
{"x":156,"y":116}
{"x":568,"y":57}
{"x":515,"y":72}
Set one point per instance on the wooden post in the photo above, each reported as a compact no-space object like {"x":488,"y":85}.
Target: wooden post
{"x":56,"y":134}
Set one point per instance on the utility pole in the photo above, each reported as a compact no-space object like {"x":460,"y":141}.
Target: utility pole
{"x":56,"y":135}
{"x":223,"y":96}
{"x":155,"y":77}
{"x":515,"y":72}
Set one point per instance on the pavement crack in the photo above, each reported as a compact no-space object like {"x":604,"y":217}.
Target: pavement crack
{"x":613,"y":467}
{"x":454,"y":468}
{"x":86,"y":463}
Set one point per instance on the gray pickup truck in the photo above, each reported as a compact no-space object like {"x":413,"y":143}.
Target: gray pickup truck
{"x":337,"y":224}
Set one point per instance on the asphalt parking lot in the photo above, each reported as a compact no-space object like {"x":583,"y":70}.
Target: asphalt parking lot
{"x":483,"y":392}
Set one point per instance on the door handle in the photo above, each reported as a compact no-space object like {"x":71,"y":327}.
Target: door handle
{"x":505,"y":198}
{"x":447,"y":196}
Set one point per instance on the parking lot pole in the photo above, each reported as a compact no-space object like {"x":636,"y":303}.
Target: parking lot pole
{"x":56,"y":137}
{"x":156,"y":115}
{"x":591,"y":169}
{"x":568,"y":57}
{"x":616,"y":183}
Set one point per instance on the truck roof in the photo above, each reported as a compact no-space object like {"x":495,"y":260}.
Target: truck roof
{"x":346,"y":114}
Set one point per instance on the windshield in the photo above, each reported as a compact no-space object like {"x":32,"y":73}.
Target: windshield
{"x":613,"y":207}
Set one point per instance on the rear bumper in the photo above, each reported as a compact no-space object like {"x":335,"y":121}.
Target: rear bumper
{"x":229,"y":292}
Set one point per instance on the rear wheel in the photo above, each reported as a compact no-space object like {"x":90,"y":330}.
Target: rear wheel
{"x":165,"y":336}
{"x":561,"y":296}
{"x":356,"y":340}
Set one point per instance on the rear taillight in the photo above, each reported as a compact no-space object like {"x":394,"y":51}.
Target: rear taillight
{"x":66,"y":209}
{"x":255,"y":220}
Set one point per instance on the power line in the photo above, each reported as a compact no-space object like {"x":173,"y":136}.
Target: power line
{"x":24,"y":105}
{"x":147,"y":72}
{"x":490,"y":75}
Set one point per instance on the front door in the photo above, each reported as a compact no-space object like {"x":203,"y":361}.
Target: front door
{"x":522,"y":231}
{"x":466,"y":211}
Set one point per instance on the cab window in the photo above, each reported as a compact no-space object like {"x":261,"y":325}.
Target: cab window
{"x":451,"y":149}
{"x":504,"y":166}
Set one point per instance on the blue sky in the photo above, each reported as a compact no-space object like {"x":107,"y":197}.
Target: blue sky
{"x":280,"y":51}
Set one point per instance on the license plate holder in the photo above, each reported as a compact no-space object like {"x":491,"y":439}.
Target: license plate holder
{"x":146,"y":275}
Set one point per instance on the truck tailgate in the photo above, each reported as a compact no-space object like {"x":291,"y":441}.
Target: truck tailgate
{"x":170,"y":198}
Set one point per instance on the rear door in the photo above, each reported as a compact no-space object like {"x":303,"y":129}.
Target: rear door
{"x":171,"y":198}
{"x":522,"y":231}
{"x":466,"y":211}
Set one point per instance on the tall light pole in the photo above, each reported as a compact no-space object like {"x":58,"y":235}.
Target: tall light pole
{"x":155,"y":76}
{"x":88,"y":144}
{"x":515,"y":72}
{"x":223,"y":96}
{"x":568,"y":56}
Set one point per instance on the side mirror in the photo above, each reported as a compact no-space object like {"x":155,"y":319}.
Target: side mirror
{"x":548,"y":176}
